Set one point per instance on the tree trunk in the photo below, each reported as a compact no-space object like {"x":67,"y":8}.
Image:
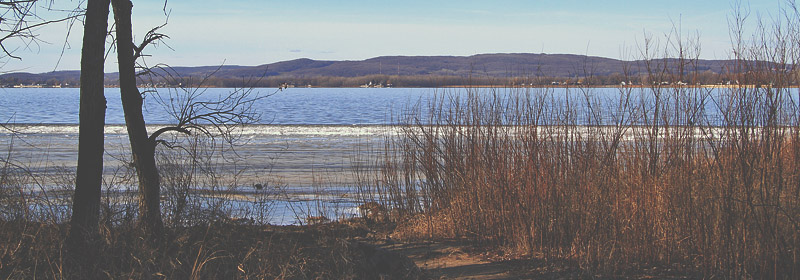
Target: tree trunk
{"x":86,"y":200}
{"x":142,"y":147}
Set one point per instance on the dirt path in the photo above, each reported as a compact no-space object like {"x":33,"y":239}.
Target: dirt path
{"x":458,"y":260}
{"x":446,"y":260}
{"x":449,"y":261}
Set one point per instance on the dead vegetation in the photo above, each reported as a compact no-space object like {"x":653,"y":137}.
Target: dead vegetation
{"x":701,"y":181}
{"x":217,"y":250}
{"x":554,"y":182}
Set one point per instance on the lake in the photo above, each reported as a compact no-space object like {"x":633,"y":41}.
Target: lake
{"x":322,"y":106}
{"x":303,"y":148}
{"x":307,"y":145}
{"x":291,"y":106}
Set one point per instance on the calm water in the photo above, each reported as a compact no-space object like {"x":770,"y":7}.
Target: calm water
{"x":305,"y":144}
{"x":309,"y":140}
{"x":293,"y":106}
{"x":317,"y":106}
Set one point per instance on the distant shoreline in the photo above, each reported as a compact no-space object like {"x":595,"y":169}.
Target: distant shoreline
{"x":617,"y":86}
{"x":481,"y":70}
{"x":460,"y":86}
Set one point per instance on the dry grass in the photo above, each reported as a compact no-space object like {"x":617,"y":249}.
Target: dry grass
{"x":700,"y":181}
{"x":616,"y":189}
{"x":217,"y":250}
{"x":703,"y":181}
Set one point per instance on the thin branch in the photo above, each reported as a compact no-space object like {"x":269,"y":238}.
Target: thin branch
{"x":162,"y":130}
{"x":150,"y":37}
{"x":17,"y":32}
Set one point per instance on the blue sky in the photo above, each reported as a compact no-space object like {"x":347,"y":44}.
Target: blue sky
{"x":248,"y":32}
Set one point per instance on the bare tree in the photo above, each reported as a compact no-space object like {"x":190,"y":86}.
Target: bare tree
{"x":212,"y":118}
{"x":20,"y":19}
{"x":86,"y":200}
{"x":142,"y":147}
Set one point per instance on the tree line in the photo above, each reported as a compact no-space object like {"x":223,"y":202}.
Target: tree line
{"x":706,"y":77}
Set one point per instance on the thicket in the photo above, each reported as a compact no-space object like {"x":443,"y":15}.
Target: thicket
{"x":699,"y":180}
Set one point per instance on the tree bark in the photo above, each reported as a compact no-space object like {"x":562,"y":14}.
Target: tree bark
{"x":142,"y":147}
{"x":86,"y":199}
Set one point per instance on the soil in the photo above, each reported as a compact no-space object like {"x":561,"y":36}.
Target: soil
{"x":447,"y":259}
{"x":454,"y":260}
{"x":451,"y":261}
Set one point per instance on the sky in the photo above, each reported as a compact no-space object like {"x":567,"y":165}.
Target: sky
{"x":249,"y":32}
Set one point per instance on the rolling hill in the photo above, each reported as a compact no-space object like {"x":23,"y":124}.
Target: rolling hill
{"x":482,"y":65}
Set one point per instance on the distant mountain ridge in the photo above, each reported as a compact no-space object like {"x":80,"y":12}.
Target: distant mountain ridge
{"x":486,"y":65}
{"x":494,"y":65}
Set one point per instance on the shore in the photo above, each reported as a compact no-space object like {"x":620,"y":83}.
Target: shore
{"x":455,"y":86}
{"x":351,"y":249}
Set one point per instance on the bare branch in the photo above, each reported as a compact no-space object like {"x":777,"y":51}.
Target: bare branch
{"x":149,"y":38}
{"x":18,"y":19}
{"x":154,"y":136}
{"x":194,"y":111}
{"x":22,"y":33}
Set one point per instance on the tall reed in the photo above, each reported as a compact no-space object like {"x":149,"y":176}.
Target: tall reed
{"x":705,"y":180}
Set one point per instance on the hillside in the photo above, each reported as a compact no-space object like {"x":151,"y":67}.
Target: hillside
{"x":481,"y":65}
{"x":492,"y":65}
